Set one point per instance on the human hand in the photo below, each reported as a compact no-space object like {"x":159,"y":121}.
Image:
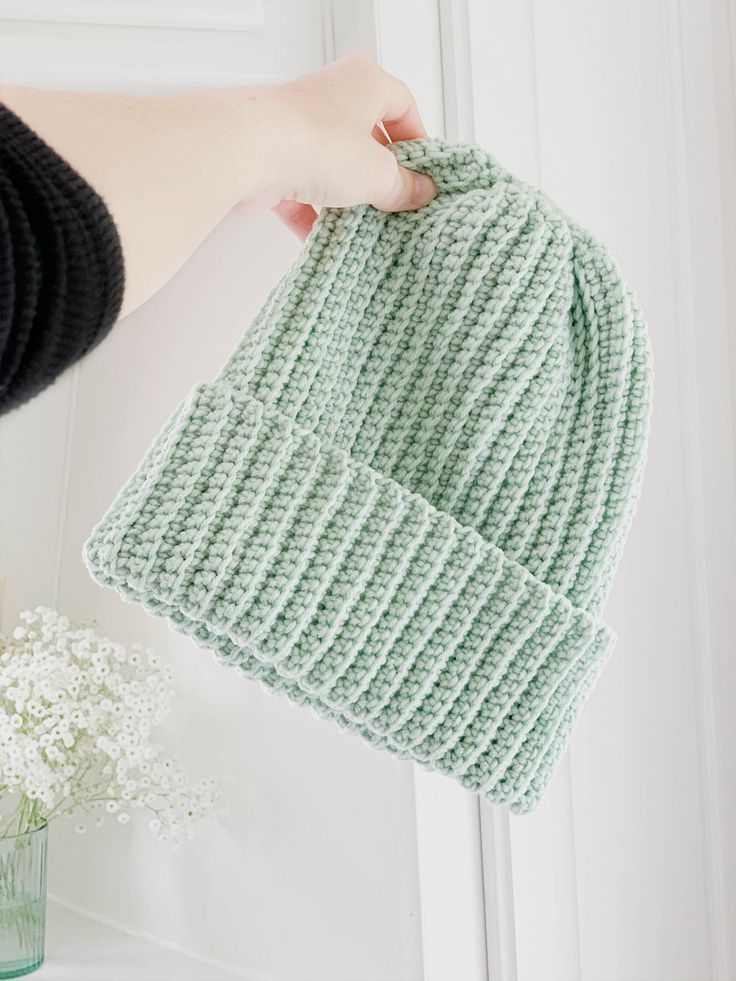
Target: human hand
{"x":330,"y":129}
{"x":170,"y":168}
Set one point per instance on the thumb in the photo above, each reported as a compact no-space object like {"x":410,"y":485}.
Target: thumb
{"x":402,"y":189}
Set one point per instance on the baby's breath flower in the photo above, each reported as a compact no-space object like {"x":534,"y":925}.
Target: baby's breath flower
{"x":77,"y":712}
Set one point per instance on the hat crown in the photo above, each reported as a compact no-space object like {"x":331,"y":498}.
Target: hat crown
{"x":484,"y":352}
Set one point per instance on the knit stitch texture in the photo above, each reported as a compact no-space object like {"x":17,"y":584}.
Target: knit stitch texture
{"x":402,"y":500}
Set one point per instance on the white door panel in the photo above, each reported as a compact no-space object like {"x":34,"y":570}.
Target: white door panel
{"x":628,"y":869}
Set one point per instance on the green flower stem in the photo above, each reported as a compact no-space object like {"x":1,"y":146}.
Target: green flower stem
{"x":79,"y":777}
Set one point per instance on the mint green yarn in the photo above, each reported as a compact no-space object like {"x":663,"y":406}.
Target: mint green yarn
{"x":402,"y":500}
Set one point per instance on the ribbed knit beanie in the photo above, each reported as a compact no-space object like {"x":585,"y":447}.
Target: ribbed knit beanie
{"x":402,"y":500}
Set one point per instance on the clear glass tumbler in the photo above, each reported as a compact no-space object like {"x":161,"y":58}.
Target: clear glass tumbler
{"x":22,"y":901}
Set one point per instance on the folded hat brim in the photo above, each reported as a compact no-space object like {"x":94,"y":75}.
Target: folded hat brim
{"x":340,"y":588}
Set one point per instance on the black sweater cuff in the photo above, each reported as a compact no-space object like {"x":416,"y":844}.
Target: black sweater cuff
{"x":61,"y":264}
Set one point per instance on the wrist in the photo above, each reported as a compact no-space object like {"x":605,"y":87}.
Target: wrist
{"x":250,"y":142}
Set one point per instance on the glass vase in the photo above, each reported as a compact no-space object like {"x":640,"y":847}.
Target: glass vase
{"x":22,"y":901}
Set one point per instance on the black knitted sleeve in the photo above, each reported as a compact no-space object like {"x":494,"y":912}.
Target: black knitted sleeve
{"x":61,"y":264}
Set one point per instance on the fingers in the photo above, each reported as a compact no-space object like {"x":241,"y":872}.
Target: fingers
{"x":346,"y":116}
{"x":298,"y":217}
{"x":398,"y":111}
{"x":379,"y":134}
{"x":397,"y":188}
{"x":400,"y":115}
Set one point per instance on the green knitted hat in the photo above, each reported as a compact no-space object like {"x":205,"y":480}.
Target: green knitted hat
{"x":402,"y":500}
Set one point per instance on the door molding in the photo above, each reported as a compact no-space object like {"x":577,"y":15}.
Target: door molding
{"x":216,"y":15}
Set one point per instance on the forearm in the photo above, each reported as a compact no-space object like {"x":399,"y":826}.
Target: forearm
{"x":103,"y":197}
{"x":168,"y":168}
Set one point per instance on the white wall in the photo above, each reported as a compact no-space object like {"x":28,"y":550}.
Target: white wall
{"x":619,"y":110}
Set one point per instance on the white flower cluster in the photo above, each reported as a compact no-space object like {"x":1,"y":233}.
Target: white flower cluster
{"x":76,"y":716}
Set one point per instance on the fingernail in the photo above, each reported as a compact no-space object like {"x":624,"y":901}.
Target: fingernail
{"x":424,"y":189}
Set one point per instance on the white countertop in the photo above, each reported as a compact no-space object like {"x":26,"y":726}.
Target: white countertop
{"x":79,"y":948}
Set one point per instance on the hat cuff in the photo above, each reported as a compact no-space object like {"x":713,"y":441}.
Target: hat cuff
{"x":334,"y":584}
